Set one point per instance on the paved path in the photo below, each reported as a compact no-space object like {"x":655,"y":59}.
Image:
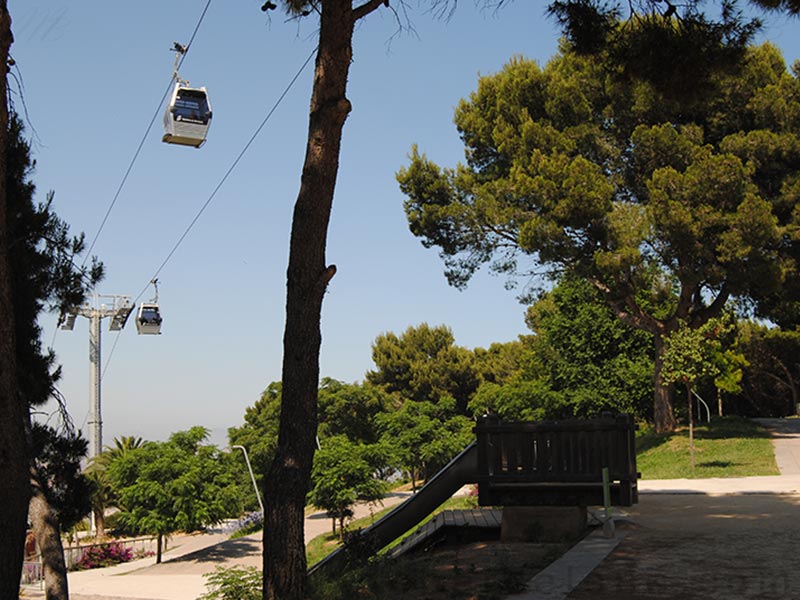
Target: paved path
{"x":716,"y":539}
{"x":180,"y":576}
{"x":786,"y":439}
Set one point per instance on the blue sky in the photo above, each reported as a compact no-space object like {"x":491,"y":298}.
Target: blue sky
{"x":94,"y":72}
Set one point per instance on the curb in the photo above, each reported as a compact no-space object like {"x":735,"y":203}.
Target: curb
{"x":563,"y":575}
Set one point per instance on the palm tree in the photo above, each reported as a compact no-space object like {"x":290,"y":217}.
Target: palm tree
{"x":103,"y":493}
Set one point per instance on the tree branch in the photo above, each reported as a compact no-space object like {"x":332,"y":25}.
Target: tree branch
{"x":685,"y":300}
{"x":714,"y":309}
{"x":634,"y":317}
{"x":368,"y":7}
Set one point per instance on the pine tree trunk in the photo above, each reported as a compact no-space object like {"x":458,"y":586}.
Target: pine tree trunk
{"x":663,"y":393}
{"x":15,"y":491}
{"x":48,"y":537}
{"x":307,"y":279}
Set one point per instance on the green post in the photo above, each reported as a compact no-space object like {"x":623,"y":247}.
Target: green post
{"x":608,"y":523}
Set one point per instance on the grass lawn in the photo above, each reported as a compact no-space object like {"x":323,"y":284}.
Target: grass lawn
{"x":728,"y":447}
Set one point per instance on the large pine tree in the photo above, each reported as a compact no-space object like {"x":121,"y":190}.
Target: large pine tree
{"x":40,"y":274}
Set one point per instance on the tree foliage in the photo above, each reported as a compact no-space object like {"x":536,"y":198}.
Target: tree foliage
{"x":45,"y":274}
{"x":259,"y":432}
{"x":350,"y":409}
{"x":430,"y":382}
{"x":59,"y":498}
{"x":40,"y":258}
{"x":233,"y":583}
{"x":177,"y":485}
{"x":57,"y":472}
{"x":591,"y":358}
{"x":669,"y":210}
{"x":424,"y":364}
{"x":343,"y":475}
{"x":103,"y":495}
{"x":771,"y":379}
{"x":581,"y":360}
{"x":690,"y":354}
{"x":425,"y":436}
{"x":678,"y":48}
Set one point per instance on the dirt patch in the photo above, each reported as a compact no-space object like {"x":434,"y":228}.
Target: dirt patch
{"x":677,"y":547}
{"x":710,"y":547}
{"x":488,"y":570}
{"x":677,"y":567}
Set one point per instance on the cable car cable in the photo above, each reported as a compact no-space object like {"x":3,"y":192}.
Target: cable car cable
{"x":228,"y":172}
{"x":110,"y":354}
{"x":146,"y":133}
{"x":218,"y":187}
{"x":135,"y":157}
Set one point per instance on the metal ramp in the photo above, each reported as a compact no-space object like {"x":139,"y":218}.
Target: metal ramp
{"x":463,"y":469}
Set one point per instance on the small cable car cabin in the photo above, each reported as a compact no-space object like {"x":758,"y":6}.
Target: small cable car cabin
{"x":148,"y":319}
{"x":187,"y":116}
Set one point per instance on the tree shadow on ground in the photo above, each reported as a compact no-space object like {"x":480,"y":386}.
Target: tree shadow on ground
{"x":730,"y":427}
{"x":219,"y":553}
{"x":648,"y":440}
{"x":722,"y":464}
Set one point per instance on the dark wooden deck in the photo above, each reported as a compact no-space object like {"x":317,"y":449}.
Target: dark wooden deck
{"x":486,"y":519}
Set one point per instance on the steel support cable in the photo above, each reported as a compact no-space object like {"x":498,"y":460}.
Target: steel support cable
{"x":130,"y":168}
{"x":217,"y":188}
{"x":228,"y":173}
{"x":144,"y":137}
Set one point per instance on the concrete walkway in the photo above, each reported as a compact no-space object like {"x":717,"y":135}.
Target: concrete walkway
{"x":716,"y":539}
{"x":786,"y":439}
{"x":189,"y":557}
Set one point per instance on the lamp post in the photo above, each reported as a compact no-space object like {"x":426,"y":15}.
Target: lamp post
{"x":252,"y":478}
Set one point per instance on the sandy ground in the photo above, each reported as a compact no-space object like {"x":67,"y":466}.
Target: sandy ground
{"x":730,"y":547}
{"x":720,"y":545}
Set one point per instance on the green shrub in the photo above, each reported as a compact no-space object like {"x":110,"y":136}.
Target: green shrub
{"x":233,"y":583}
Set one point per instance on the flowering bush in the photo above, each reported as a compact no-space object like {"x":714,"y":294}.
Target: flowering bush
{"x":248,"y":524}
{"x":104,"y":555}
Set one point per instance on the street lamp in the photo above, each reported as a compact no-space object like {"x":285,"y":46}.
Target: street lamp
{"x":252,"y":478}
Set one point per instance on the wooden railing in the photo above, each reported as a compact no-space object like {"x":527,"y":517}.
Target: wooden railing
{"x":556,"y":462}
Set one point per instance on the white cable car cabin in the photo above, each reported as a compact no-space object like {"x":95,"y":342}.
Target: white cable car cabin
{"x":187,"y":116}
{"x":148,"y":319}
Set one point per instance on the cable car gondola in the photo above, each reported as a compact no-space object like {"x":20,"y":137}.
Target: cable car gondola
{"x":188,"y":113}
{"x":187,"y":117}
{"x":148,"y":317}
